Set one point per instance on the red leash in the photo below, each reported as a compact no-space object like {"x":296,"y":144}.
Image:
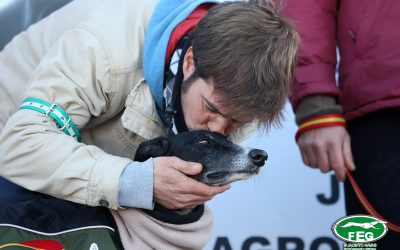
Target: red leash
{"x":361,"y":197}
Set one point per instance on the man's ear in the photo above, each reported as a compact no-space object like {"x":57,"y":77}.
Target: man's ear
{"x":188,"y":63}
{"x":152,"y":148}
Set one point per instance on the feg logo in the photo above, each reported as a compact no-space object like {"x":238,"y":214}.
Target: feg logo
{"x":359,"y":228}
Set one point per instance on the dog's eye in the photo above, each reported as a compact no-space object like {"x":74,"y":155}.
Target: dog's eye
{"x":204,"y":141}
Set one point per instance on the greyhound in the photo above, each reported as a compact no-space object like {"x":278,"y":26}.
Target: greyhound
{"x":223,"y":161}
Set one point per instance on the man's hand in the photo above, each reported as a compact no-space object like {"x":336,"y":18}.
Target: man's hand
{"x":327,"y":148}
{"x":174,"y":190}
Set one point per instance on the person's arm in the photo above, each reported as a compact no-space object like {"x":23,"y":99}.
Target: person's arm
{"x":35,"y":154}
{"x":315,"y":71}
{"x":322,"y":138}
{"x":172,"y":187}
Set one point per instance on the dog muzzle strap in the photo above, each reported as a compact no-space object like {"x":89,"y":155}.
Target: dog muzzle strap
{"x":55,"y":113}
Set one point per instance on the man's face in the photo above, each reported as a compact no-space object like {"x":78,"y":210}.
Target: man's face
{"x":201,"y":105}
{"x":202,"y":110}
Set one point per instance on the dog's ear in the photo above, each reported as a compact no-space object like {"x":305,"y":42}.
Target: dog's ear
{"x":152,"y":148}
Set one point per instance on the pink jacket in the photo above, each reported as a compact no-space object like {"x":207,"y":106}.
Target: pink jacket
{"x":367,"y":33}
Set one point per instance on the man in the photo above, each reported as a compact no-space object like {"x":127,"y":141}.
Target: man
{"x":85,"y":69}
{"x":364,"y":107}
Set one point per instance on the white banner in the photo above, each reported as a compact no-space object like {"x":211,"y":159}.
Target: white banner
{"x":286,"y":207}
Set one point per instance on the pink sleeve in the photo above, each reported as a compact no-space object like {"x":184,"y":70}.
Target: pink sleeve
{"x":315,"y":21}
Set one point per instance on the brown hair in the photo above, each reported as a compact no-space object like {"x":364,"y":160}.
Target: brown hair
{"x":248,"y":52}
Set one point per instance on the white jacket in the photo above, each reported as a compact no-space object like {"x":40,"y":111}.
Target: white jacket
{"x":87,"y":58}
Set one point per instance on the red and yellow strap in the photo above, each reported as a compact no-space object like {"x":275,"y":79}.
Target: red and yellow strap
{"x":319,"y":122}
{"x":365,"y":203}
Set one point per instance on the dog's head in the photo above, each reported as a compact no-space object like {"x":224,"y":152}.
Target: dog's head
{"x":223,"y":161}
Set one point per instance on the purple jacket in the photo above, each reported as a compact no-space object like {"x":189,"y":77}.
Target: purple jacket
{"x":367,"y":33}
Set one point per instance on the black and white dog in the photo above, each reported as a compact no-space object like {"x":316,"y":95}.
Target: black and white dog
{"x":223,"y":161}
{"x":75,"y":226}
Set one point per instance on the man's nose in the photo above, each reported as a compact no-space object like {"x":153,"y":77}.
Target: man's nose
{"x":222,"y":125}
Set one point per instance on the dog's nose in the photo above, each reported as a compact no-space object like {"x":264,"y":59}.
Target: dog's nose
{"x":258,"y":157}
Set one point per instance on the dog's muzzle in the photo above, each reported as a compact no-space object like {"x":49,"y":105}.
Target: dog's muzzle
{"x":258,"y":157}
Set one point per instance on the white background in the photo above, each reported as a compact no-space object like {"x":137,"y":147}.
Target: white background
{"x":279,"y":202}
